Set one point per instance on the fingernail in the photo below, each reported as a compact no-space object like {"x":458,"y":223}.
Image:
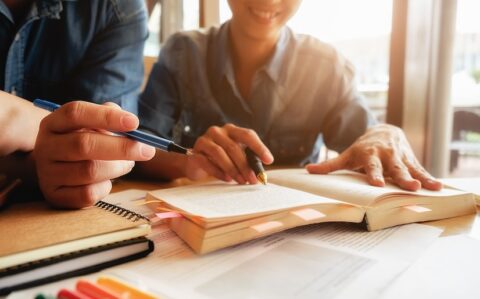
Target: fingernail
{"x":268,"y":156}
{"x":147,"y":151}
{"x":129,"y":121}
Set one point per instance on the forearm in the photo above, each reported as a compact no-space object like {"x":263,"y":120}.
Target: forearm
{"x":19,"y":121}
{"x":164,"y":166}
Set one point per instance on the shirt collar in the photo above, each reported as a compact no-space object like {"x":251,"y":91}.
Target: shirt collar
{"x":5,"y":11}
{"x":273,"y":68}
{"x":46,"y":8}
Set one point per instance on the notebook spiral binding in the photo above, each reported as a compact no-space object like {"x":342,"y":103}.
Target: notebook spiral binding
{"x":130,"y":215}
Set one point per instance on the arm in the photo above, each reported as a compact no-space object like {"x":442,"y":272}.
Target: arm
{"x":219,"y":152}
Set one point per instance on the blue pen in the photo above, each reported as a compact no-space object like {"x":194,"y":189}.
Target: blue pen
{"x":158,"y":142}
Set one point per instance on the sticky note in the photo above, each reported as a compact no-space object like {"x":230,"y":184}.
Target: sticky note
{"x":167,"y":215}
{"x":417,"y":209}
{"x":266,"y":226}
{"x":308,"y":214}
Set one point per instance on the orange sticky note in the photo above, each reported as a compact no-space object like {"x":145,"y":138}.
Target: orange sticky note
{"x":308,"y":214}
{"x":417,"y":209}
{"x":263,"y":227}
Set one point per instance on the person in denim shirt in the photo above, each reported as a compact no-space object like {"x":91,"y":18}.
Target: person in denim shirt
{"x":253,"y":82}
{"x":66,"y":50}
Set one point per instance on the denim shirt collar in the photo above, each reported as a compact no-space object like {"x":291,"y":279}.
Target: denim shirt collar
{"x":41,"y":8}
{"x":5,"y":11}
{"x":46,"y":8}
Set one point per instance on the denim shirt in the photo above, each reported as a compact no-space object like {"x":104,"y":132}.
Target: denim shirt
{"x":304,"y":96}
{"x":74,"y":50}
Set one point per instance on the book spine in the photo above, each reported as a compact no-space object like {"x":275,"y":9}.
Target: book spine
{"x":121,"y":211}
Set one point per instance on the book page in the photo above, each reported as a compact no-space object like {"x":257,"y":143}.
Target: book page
{"x":221,"y":200}
{"x":346,"y":186}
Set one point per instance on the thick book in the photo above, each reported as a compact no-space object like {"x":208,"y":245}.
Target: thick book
{"x":215,"y":215}
{"x":39,"y":244}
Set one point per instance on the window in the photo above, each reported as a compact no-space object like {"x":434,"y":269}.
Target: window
{"x":465,"y":92}
{"x":167,"y":17}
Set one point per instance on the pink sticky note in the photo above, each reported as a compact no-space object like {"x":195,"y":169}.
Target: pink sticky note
{"x":266,"y":226}
{"x":167,"y":215}
{"x":417,"y":209}
{"x":308,"y":214}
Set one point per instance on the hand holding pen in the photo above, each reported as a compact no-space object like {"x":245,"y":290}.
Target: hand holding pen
{"x":75,"y":162}
{"x":226,"y":159}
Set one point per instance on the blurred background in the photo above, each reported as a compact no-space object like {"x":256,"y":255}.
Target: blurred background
{"x":417,"y":64}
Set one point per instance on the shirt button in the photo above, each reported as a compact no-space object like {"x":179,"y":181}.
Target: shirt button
{"x":17,"y":37}
{"x":186,"y":129}
{"x":14,"y":91}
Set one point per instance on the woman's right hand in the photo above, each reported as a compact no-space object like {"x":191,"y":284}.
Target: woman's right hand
{"x":220,"y":152}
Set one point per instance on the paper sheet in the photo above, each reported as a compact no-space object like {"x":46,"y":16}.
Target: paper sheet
{"x":351,"y":188}
{"x":450,"y":268}
{"x":221,"y":200}
{"x":331,"y":260}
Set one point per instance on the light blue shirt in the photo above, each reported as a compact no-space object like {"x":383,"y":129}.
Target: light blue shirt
{"x":303,"y":96}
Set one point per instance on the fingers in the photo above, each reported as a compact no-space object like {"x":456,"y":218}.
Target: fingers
{"x":327,"y":166}
{"x":219,"y":157}
{"x":249,"y":138}
{"x":75,"y":161}
{"x":78,"y":115}
{"x":234,"y":151}
{"x":79,"y":196}
{"x":374,"y":171}
{"x":400,"y":175}
{"x":91,"y":145}
{"x":224,"y":148}
{"x":85,"y":172}
{"x":419,"y":173}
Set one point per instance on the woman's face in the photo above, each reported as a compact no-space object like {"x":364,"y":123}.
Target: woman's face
{"x":262,"y":19}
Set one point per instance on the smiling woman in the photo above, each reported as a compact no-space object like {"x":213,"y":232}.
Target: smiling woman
{"x":361,"y":33}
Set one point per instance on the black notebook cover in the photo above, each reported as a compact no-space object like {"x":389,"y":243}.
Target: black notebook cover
{"x":72,"y":256}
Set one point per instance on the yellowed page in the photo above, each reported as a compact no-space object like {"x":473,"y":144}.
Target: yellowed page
{"x":222,"y":200}
{"x":346,"y":186}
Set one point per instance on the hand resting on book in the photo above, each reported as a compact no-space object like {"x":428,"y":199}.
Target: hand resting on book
{"x":382,"y":151}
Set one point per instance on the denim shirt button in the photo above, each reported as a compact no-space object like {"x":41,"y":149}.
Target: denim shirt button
{"x":186,"y":129}
{"x":17,"y":37}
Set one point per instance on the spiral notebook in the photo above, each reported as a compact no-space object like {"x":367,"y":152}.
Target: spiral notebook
{"x":39,"y":244}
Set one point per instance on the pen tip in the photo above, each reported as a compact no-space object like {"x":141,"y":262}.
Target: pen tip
{"x":262,"y":177}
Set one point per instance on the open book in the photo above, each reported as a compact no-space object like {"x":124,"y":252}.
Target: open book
{"x":216,"y":214}
{"x":39,"y":244}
